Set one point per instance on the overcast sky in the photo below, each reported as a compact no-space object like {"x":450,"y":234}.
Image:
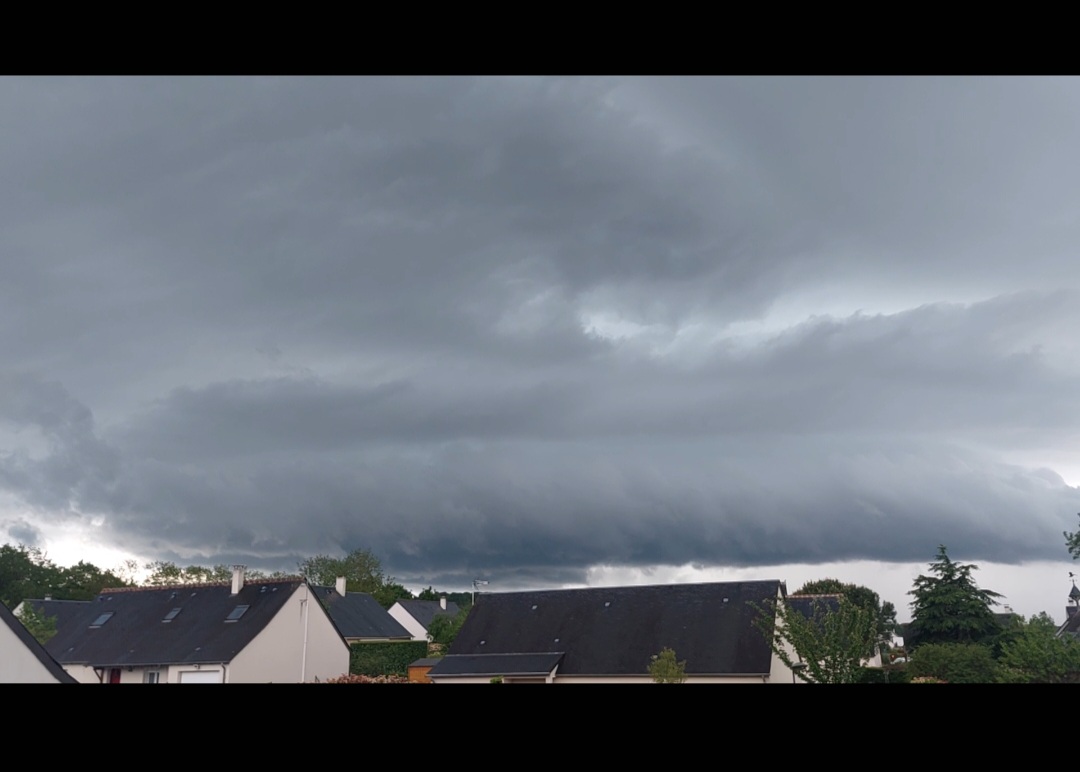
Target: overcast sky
{"x":544,"y":331}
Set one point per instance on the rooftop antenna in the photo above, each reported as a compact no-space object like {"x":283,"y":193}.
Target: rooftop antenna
{"x":477,"y":583}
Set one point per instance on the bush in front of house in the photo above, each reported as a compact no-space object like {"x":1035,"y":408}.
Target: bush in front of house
{"x":385,"y":659}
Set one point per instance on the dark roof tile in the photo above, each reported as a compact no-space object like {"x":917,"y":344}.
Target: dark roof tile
{"x":616,"y":630}
{"x":135,"y":635}
{"x":423,"y":611}
{"x":359,"y":615}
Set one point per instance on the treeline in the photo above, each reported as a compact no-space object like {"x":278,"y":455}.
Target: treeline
{"x":26,"y":572}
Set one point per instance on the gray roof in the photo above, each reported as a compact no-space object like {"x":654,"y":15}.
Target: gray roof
{"x":1071,"y":625}
{"x":426,"y":662}
{"x":616,"y":630}
{"x":136,"y":635}
{"x":490,"y":665}
{"x":423,"y":611}
{"x":358,"y":615}
{"x":60,"y":610}
{"x":35,"y":648}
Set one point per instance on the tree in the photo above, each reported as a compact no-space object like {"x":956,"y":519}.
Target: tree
{"x":1035,"y":654}
{"x":39,"y":625}
{"x":954,"y":663}
{"x":84,"y":581}
{"x":363,"y":572}
{"x":444,"y":627}
{"x":829,"y":645}
{"x":390,"y":593}
{"x":25,"y":572}
{"x":1072,"y":542}
{"x":949,"y":607}
{"x":664,"y":669}
{"x":884,"y":613}
{"x":164,"y":573}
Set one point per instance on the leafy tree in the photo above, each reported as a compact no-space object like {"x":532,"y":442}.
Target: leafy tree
{"x":955,"y":663}
{"x":84,"y":581}
{"x":1036,"y":655}
{"x":664,"y":668}
{"x":1072,"y":542}
{"x":361,"y":568}
{"x":444,"y":627}
{"x":25,"y":572}
{"x":164,"y":573}
{"x":829,"y":645}
{"x":949,"y":607}
{"x":884,"y":613}
{"x":39,"y":625}
{"x":390,"y":593}
{"x":363,"y":572}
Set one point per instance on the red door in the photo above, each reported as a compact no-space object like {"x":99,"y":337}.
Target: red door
{"x":114,"y":675}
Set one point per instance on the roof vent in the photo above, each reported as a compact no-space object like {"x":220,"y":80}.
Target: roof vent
{"x":607,"y":603}
{"x":534,"y":607}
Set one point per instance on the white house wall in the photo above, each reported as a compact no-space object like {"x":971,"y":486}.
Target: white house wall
{"x":137,"y":675}
{"x":277,"y":653}
{"x":406,"y":620}
{"x":19,"y":665}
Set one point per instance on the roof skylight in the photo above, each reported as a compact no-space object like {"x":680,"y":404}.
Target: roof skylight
{"x":236,"y":613}
{"x":101,"y":619}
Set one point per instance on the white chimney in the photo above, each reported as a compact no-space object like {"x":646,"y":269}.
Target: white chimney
{"x":237,"y":578}
{"x":340,"y":586}
{"x":442,"y":602}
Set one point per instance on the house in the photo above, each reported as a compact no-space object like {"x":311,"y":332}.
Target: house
{"x":416,"y":615}
{"x":358,"y":616}
{"x":22,"y":659}
{"x":1071,"y":626}
{"x":610,"y":634}
{"x":237,"y":632}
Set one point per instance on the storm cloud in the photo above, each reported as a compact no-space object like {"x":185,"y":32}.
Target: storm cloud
{"x":522,"y":327}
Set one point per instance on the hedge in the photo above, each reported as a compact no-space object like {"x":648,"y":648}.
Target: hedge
{"x":375,"y":659}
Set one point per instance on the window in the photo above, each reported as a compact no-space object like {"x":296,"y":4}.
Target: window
{"x":236,"y":613}
{"x":171,"y":615}
{"x":152,"y":677}
{"x":101,"y":619}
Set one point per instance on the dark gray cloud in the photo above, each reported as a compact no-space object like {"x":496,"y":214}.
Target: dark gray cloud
{"x":529,"y":325}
